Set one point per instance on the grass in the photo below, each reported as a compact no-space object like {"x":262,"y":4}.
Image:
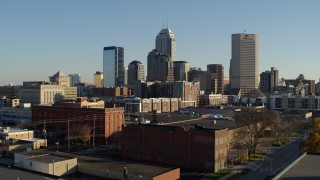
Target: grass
{"x":219,"y":174}
{"x":280,"y":143}
{"x":296,"y":134}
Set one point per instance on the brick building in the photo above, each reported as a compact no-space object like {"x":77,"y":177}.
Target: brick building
{"x":188,"y":146}
{"x":104,"y":122}
{"x":186,"y":91}
{"x":111,"y":92}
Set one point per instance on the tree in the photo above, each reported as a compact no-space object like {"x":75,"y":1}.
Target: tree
{"x":254,"y":122}
{"x":80,"y":132}
{"x":312,"y":143}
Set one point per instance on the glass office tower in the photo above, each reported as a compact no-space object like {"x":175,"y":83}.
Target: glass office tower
{"x":113,"y":66}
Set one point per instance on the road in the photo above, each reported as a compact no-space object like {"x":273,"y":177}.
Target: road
{"x":277,"y":161}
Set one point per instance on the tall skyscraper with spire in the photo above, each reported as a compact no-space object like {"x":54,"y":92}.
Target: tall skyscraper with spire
{"x":244,"y":73}
{"x":166,"y":43}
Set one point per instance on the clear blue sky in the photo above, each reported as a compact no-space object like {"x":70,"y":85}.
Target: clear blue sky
{"x":40,"y":37}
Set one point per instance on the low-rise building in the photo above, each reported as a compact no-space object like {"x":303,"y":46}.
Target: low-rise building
{"x":48,"y":164}
{"x":15,"y":115}
{"x":182,"y":145}
{"x":294,"y":102}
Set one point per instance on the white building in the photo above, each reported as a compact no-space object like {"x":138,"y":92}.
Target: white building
{"x":46,"y":163}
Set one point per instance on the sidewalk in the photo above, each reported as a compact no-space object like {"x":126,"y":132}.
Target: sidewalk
{"x":237,"y":169}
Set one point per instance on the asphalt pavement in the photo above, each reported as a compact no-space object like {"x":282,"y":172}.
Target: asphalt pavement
{"x":276,"y":161}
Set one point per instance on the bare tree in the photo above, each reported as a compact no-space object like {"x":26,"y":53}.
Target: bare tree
{"x":254,"y":122}
{"x":80,"y":132}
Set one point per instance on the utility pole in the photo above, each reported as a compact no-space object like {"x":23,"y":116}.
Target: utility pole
{"x":94,"y":129}
{"x":68,"y":135}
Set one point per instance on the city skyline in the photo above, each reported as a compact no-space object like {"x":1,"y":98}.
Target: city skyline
{"x":39,"y":38}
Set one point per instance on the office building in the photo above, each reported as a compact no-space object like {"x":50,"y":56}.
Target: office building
{"x":98,"y":79}
{"x":60,"y":79}
{"x":135,"y":72}
{"x":244,"y":73}
{"x":269,"y":80}
{"x":181,"y":70}
{"x":113,"y":66}
{"x":160,"y":67}
{"x":217,"y":73}
{"x":166,"y":43}
{"x":74,"y":79}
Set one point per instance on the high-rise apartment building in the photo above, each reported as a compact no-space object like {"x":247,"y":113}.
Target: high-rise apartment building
{"x":135,"y":72}
{"x":269,"y":80}
{"x":160,"y":67}
{"x":181,"y":69}
{"x":113,"y":66}
{"x":217,"y":75}
{"x":98,"y":79}
{"x":74,"y":79}
{"x":166,"y":43}
{"x":244,"y":73}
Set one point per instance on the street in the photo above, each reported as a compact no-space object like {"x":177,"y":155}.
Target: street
{"x":277,"y":161}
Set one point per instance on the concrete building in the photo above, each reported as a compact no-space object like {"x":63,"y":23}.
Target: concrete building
{"x":160,"y":67}
{"x":212,"y":100}
{"x":181,"y":70}
{"x":301,"y":81}
{"x":113,"y":66}
{"x":294,"y":102}
{"x":166,"y":43}
{"x":48,"y":164}
{"x":60,"y":79}
{"x":217,"y":71}
{"x":269,"y":80}
{"x":98,"y":79}
{"x":135,"y":72}
{"x":106,"y":122}
{"x":204,"y":79}
{"x":44,"y":93}
{"x":244,"y":72}
{"x":184,"y":146}
{"x":7,"y":133}
{"x":74,"y":79}
{"x":125,"y":77}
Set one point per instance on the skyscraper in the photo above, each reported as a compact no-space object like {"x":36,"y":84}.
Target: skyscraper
{"x":166,"y":43}
{"x":113,"y":66}
{"x":74,"y":79}
{"x":135,"y":72}
{"x":269,"y":80}
{"x":244,"y":73}
{"x":160,"y":67}
{"x":217,"y":73}
{"x":181,"y":69}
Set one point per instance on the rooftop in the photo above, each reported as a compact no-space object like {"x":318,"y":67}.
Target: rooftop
{"x":47,"y":158}
{"x":306,"y":168}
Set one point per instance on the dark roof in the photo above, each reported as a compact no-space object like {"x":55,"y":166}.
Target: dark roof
{"x":306,"y":167}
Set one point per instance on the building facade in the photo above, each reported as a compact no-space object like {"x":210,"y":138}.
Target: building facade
{"x":269,"y":80}
{"x":244,"y":72}
{"x":98,"y":79}
{"x":217,"y":73}
{"x":181,"y":70}
{"x":166,"y":43}
{"x":187,"y":92}
{"x":294,"y":102}
{"x":107,"y":122}
{"x":113,"y":66}
{"x":135,"y":72}
{"x":74,"y":79}
{"x":186,"y":147}
{"x":60,"y":79}
{"x":160,"y":67}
